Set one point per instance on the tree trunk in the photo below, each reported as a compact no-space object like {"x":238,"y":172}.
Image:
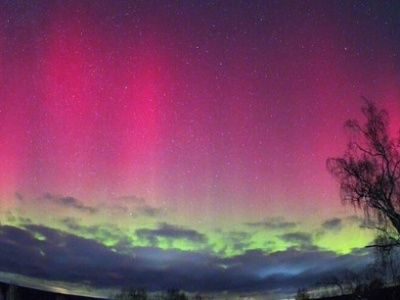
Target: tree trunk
{"x":395,"y":220}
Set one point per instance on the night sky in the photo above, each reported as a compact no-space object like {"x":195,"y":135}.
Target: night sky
{"x":183,"y":143}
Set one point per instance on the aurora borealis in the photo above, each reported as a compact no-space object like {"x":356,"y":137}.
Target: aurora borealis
{"x":183,"y":143}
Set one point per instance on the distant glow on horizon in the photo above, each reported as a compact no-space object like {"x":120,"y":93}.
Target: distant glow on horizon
{"x":165,"y":136}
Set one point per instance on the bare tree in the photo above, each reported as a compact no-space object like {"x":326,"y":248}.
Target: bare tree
{"x":302,"y":294}
{"x":132,"y":294}
{"x":333,"y":285}
{"x":175,"y":294}
{"x":387,"y":259}
{"x":369,"y":291}
{"x":369,"y":171}
{"x":198,"y":297}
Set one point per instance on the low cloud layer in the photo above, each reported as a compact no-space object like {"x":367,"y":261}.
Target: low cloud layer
{"x":68,"y":201}
{"x":297,"y":238}
{"x":171,"y":233}
{"x":274,"y":255}
{"x":273,"y":224}
{"x":332,"y":224}
{"x":45,"y":253}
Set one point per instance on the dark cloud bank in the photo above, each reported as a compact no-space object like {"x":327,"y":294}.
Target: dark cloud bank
{"x":44,"y":253}
{"x":68,"y":201}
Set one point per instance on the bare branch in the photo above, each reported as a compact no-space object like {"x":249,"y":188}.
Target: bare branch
{"x":369,"y":172}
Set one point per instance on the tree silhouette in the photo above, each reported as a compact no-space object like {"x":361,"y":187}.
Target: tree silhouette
{"x":197,"y":297}
{"x":369,"y":291}
{"x":302,"y":294}
{"x":175,"y":294}
{"x":369,"y":171}
{"x":132,"y":294}
{"x":387,"y":259}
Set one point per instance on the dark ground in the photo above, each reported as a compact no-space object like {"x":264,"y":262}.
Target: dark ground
{"x":391,"y":293}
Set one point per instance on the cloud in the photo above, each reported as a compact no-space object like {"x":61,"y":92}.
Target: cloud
{"x":149,"y":211}
{"x":54,"y":256}
{"x":170,"y":233}
{"x":301,"y":238}
{"x":106,"y":232}
{"x":238,"y":241}
{"x":69,"y":202}
{"x":135,"y":207}
{"x":19,"y":197}
{"x":44,"y":253}
{"x":332,"y":224}
{"x":273,"y":224}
